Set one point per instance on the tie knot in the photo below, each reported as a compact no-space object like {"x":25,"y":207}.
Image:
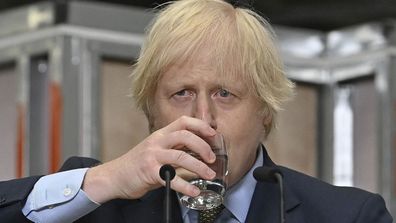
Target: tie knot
{"x":209,"y":216}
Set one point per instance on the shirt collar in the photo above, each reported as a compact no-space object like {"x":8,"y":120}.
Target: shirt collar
{"x":239,"y":196}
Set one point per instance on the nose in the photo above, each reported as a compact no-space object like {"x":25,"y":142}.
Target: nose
{"x":205,"y":110}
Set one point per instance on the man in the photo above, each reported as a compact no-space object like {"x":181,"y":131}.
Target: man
{"x":205,"y":67}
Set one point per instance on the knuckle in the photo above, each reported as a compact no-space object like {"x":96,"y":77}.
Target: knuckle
{"x":150,"y":148}
{"x":148,"y":156}
{"x":156,"y":135}
{"x":153,"y":140}
{"x":184,"y":120}
{"x":202,"y":166}
{"x":181,"y":156}
{"x":181,"y":184}
{"x":186,"y":187}
{"x":185,"y":134}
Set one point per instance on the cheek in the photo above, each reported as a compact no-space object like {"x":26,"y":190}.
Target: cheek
{"x":242,"y":134}
{"x":164,"y":114}
{"x":244,"y":137}
{"x":242,"y":125}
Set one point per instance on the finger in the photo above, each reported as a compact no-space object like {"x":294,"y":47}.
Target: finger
{"x":194,"y":143}
{"x":192,"y":124}
{"x":186,"y":174}
{"x":184,"y":160}
{"x":180,"y":185}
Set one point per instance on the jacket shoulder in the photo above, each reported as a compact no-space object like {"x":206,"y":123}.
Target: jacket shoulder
{"x":313,"y":187}
{"x":334,"y":202}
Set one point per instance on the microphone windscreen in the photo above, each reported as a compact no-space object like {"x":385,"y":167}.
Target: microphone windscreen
{"x":166,"y":168}
{"x":266,"y":174}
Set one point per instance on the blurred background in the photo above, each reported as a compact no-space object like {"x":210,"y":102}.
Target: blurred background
{"x":64,"y":86}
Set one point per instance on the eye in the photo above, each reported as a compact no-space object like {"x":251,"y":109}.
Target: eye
{"x":182,"y":93}
{"x":225,"y":96}
{"x":224,"y":93}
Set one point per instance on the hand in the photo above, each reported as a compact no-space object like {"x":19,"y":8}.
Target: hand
{"x":137,"y":172}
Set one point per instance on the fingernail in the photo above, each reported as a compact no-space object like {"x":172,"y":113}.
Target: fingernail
{"x":212,"y":131}
{"x":212,"y":157}
{"x":196,"y":191}
{"x":211,"y":173}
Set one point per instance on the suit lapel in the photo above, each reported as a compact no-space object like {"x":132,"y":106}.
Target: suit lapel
{"x":264,"y":206}
{"x":149,"y":208}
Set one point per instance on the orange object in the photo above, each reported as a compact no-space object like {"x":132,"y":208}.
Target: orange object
{"x":56,"y":107}
{"x":20,"y":140}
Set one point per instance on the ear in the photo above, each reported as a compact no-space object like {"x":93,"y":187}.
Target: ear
{"x":151,"y":123}
{"x":267,"y":120}
{"x":150,"y":119}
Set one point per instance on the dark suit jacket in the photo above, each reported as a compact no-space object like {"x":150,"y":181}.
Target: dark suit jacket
{"x":307,"y":200}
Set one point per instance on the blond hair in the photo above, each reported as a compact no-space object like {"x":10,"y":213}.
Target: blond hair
{"x":243,"y":46}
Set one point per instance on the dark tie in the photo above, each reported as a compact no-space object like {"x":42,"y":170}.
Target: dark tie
{"x":209,"y":216}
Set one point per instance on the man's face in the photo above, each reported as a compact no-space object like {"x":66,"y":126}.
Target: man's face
{"x":194,"y":89}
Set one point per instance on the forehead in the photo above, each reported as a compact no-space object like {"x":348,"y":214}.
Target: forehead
{"x":202,"y":68}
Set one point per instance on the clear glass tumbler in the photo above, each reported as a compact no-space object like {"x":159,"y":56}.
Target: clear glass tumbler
{"x":212,"y":191}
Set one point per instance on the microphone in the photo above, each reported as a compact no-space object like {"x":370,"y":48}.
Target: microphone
{"x":167,"y":169}
{"x":167,"y":173}
{"x":272,"y":175}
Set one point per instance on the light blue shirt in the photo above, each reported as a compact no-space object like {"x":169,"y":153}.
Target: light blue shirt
{"x":59,"y":198}
{"x":237,"y":199}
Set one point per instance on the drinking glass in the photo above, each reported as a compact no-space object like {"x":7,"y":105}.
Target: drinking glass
{"x":212,"y":191}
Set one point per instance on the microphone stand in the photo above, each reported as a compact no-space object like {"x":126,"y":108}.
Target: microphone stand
{"x":272,"y":175}
{"x":167,"y":173}
{"x":279,"y":178}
